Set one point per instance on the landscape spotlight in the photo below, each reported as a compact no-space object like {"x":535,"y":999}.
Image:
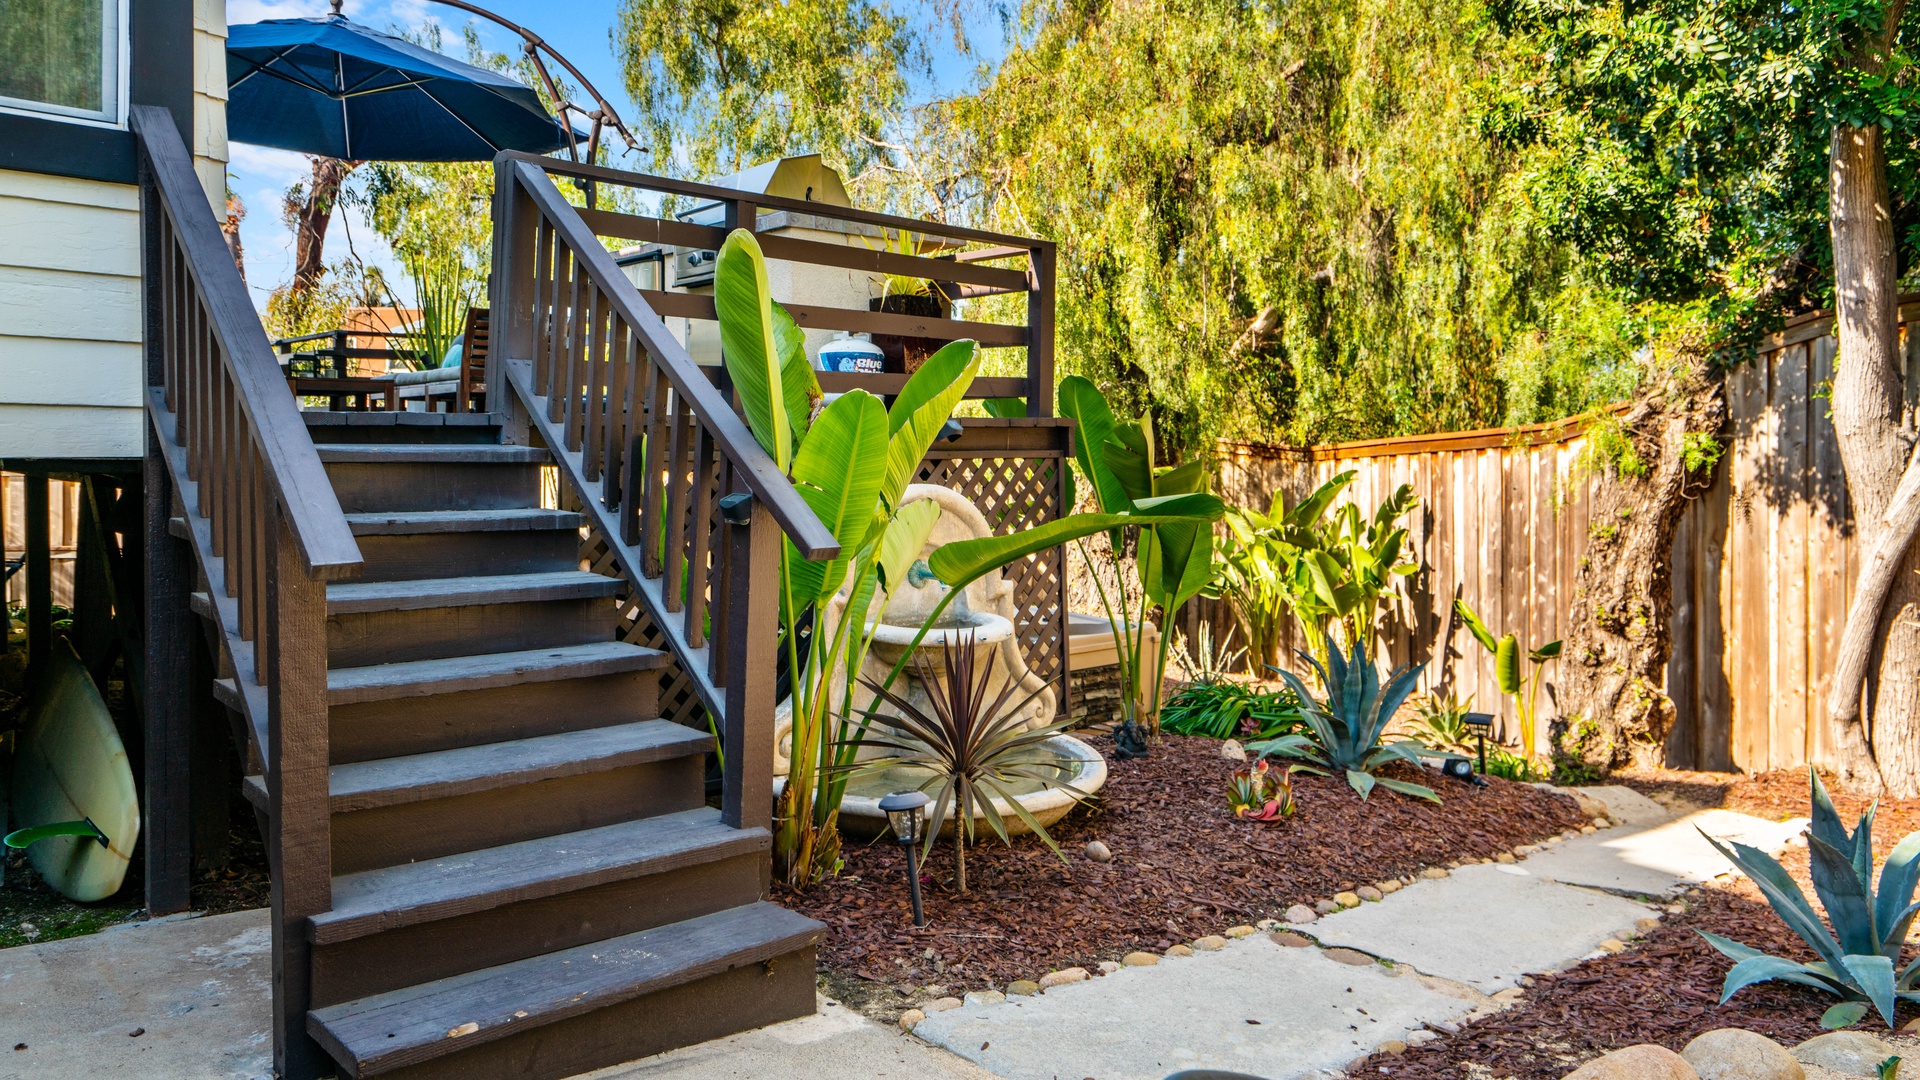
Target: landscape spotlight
{"x":1481,"y":723}
{"x":904,"y":810}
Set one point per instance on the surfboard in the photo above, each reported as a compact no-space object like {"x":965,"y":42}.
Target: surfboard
{"x":69,"y":765}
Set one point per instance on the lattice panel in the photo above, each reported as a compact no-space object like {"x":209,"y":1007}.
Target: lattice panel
{"x":1018,"y":493}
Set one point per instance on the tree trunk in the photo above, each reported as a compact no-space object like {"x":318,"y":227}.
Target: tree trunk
{"x":1612,"y":702}
{"x":308,"y":210}
{"x":1875,"y":437}
{"x":230,"y":229}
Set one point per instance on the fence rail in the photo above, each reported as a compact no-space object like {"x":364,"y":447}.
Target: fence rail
{"x":1763,"y":562}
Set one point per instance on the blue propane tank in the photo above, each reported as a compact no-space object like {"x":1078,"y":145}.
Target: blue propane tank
{"x":853,"y":353}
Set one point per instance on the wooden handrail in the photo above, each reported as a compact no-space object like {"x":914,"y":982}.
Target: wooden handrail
{"x":729,"y":432}
{"x":295,"y":479}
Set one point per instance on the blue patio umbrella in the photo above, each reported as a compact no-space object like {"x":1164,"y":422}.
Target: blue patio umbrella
{"x":333,"y":87}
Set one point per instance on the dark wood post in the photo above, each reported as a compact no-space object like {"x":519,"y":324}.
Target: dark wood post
{"x":299,"y":840}
{"x":511,"y":331}
{"x":39,"y":555}
{"x":1040,"y":331}
{"x":752,"y":629}
{"x":167,"y":698}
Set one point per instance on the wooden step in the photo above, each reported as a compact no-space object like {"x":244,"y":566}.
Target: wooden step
{"x":431,"y":454}
{"x":359,"y":597}
{"x":372,"y":478}
{"x":389,"y":811}
{"x":444,"y":774}
{"x":415,"y":922}
{"x":392,"y":427}
{"x":524,"y":1018}
{"x":378,"y":901}
{"x":420,"y":678}
{"x":385,"y":622}
{"x":461,"y":521}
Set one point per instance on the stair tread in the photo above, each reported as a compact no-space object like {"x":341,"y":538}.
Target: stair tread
{"x":431,"y":453}
{"x":440,"y":774}
{"x":400,"y":522}
{"x":419,"y":678}
{"x":375,"y":901}
{"x":385,"y":1032}
{"x":349,"y":597}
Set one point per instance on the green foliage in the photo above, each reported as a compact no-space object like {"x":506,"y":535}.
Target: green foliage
{"x":1859,"y":955}
{"x":1285,"y":222}
{"x":1700,"y":451}
{"x":1440,"y":721}
{"x":1226,"y":709}
{"x":1609,"y":449}
{"x":1344,"y":733}
{"x":1522,"y":687}
{"x":1508,"y":765}
{"x":723,"y":84}
{"x":975,"y":747}
{"x":1261,"y":792}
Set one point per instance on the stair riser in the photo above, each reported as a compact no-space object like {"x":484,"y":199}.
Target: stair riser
{"x":409,"y":556}
{"x":417,"y":954}
{"x":389,"y":835}
{"x":382,"y":729}
{"x":733,"y":1001}
{"x":390,"y":637}
{"x":370,"y":488}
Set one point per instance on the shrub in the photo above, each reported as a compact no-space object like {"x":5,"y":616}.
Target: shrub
{"x":1343,"y":733}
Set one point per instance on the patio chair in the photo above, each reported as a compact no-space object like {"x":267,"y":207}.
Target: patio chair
{"x":458,"y":388}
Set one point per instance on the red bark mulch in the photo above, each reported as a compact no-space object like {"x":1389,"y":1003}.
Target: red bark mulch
{"x":1666,"y":989}
{"x":1183,"y":867}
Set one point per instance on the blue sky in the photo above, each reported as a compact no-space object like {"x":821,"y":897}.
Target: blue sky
{"x":579,"y":29}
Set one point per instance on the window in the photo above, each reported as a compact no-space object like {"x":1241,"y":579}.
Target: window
{"x":64,"y":58}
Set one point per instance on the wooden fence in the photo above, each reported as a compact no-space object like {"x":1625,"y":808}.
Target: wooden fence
{"x":1764,"y":562}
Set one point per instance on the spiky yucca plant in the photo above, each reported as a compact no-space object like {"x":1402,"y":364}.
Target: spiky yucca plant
{"x":1343,"y":732}
{"x":1858,"y":958}
{"x":975,"y":745}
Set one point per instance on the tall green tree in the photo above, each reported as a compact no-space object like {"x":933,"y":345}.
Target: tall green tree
{"x":1751,"y":159}
{"x":1288,"y":222}
{"x":725,"y":84}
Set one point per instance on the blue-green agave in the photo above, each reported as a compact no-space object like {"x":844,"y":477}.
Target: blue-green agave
{"x":1858,"y":959}
{"x":1343,"y":732}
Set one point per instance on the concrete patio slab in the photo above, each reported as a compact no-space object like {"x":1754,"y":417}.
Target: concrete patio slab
{"x":171,"y":999}
{"x":1252,"y":1007}
{"x":1656,"y":861}
{"x":836,"y":1043}
{"x":1483,"y":925}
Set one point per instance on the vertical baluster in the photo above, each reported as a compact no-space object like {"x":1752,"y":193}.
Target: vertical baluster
{"x":655,"y":463}
{"x":752,"y":639}
{"x":582,"y":426}
{"x":563,"y":288}
{"x":634,"y":489}
{"x":562,"y":401}
{"x":701,"y":522}
{"x":199,"y":404}
{"x":722,"y":595}
{"x":169,"y":320}
{"x":219,"y":424}
{"x":261,"y":526}
{"x":599,"y":397}
{"x":542,"y":299}
{"x":240,"y":554}
{"x":619,"y":408}
{"x":679,"y":487}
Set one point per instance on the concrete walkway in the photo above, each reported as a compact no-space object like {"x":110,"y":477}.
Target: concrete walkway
{"x":1431,"y":954}
{"x":187,"y":999}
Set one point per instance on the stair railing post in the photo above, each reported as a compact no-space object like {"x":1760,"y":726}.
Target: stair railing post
{"x":299,"y":847}
{"x":752,"y":645}
{"x":511,"y":318}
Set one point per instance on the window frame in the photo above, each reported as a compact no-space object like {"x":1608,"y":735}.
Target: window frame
{"x":116,"y":78}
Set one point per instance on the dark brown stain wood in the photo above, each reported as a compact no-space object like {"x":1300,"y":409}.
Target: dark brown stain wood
{"x":167,"y":697}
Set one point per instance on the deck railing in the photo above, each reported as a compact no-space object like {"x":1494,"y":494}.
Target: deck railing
{"x":665,"y":468}
{"x":230,"y":464}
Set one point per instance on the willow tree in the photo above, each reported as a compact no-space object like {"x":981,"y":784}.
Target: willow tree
{"x":1748,"y":159}
{"x":1287,"y":222}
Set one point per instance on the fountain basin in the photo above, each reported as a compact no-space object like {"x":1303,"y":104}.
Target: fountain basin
{"x":1085,"y":769}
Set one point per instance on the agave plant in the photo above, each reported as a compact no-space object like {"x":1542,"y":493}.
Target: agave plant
{"x":1858,"y":958}
{"x":976,"y":746}
{"x":1343,"y":733}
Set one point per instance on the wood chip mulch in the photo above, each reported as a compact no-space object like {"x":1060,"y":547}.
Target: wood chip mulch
{"x":1183,"y":867}
{"x":1666,"y":988}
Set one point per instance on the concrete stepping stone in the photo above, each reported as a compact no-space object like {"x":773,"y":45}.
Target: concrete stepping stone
{"x":1659,"y":860}
{"x":1484,"y":925}
{"x":1251,"y":1007}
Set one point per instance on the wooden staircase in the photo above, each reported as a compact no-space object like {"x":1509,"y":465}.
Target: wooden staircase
{"x":491,"y":857}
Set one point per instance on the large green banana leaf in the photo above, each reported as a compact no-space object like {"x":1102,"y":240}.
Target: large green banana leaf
{"x":749,"y":345}
{"x":962,"y":562}
{"x":1083,"y":403}
{"x":838,"y":471}
{"x":921,"y":409}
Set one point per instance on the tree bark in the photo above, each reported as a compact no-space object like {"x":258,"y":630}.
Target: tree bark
{"x":1611,"y":684}
{"x":308,"y":210}
{"x":1875,"y":437}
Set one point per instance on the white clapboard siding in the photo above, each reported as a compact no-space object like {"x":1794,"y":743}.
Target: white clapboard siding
{"x":69,"y":317}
